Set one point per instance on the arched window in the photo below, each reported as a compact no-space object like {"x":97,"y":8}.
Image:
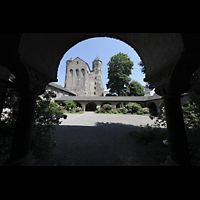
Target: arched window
{"x":77,"y":72}
{"x":71,"y":72}
{"x":83,"y":72}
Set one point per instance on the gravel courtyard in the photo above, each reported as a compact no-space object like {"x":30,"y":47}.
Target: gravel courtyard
{"x":92,"y":139}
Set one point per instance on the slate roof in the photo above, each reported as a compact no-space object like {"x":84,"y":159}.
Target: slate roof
{"x":61,"y":88}
{"x":112,"y":99}
{"x":97,"y":59}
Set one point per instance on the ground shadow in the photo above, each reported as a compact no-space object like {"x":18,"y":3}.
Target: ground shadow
{"x":105,"y":144}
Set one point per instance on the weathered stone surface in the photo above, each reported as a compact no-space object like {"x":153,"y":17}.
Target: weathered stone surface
{"x":83,"y":81}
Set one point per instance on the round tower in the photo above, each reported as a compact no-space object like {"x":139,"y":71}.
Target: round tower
{"x":97,"y":69}
{"x":67,"y":63}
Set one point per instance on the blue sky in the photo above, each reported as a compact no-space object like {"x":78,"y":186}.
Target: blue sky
{"x":105,"y":48}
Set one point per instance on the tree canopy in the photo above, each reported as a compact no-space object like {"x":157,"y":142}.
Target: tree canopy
{"x":119,"y":70}
{"x":135,"y":89}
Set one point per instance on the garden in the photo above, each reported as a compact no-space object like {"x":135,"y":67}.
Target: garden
{"x":132,"y":108}
{"x":70,"y":107}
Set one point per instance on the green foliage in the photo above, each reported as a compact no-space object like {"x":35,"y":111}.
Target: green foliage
{"x":135,"y":89}
{"x":119,"y":69}
{"x":7,"y":123}
{"x":133,"y":107}
{"x":47,"y":115}
{"x":78,"y":109}
{"x":191,"y":115}
{"x":70,"y":105}
{"x":108,"y":107}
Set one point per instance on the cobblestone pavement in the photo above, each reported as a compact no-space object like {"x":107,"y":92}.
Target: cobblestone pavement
{"x":92,"y":139}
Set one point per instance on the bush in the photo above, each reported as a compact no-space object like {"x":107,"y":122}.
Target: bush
{"x":133,"y":107}
{"x":47,"y":115}
{"x":145,"y":110}
{"x":107,"y":107}
{"x":78,"y":109}
{"x":70,"y":105}
{"x":191,"y":113}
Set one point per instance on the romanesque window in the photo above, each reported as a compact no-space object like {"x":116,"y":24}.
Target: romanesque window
{"x":71,"y":72}
{"x":77,"y":72}
{"x":83,"y":72}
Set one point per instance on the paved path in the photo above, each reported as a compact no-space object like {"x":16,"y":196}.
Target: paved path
{"x":92,"y":139}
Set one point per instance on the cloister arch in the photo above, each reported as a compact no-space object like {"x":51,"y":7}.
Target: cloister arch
{"x":153,"y":109}
{"x":90,"y":106}
{"x":170,"y":59}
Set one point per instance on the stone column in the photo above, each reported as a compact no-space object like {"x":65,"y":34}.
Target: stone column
{"x":29,"y":89}
{"x":179,"y":153}
{"x":20,"y":152}
{"x":4,"y":85}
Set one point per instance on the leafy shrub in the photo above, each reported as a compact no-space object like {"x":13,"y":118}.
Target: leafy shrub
{"x":145,"y":110}
{"x":191,"y":113}
{"x":123,"y":110}
{"x":133,"y":107}
{"x":107,"y":107}
{"x":78,"y":109}
{"x":70,"y":105}
{"x":47,"y":115}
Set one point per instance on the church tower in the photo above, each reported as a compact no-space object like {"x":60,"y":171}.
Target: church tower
{"x":97,"y":70}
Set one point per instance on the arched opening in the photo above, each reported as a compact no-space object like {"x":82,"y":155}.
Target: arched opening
{"x":78,"y":105}
{"x":77,"y":72}
{"x":153,"y":109}
{"x":71,"y":72}
{"x":103,"y":47}
{"x":91,"y":107}
{"x":42,"y":53}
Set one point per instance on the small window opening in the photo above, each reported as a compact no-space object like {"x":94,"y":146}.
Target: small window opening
{"x":77,"y":72}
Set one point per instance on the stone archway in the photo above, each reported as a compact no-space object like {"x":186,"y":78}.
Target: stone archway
{"x":91,"y":107}
{"x":153,"y":109}
{"x":170,"y":59}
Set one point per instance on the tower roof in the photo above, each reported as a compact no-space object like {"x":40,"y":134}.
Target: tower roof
{"x":97,"y":59}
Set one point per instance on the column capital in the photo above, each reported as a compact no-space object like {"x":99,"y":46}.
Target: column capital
{"x":33,"y":85}
{"x":172,"y":88}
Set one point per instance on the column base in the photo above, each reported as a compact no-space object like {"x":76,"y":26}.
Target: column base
{"x":28,"y":160}
{"x":169,"y":162}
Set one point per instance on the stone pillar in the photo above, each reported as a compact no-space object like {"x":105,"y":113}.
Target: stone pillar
{"x":179,"y":153}
{"x":83,"y":104}
{"x":20,"y":152}
{"x":4,"y":85}
{"x":29,"y":89}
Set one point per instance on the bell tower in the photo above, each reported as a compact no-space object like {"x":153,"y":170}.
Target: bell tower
{"x":97,"y":70}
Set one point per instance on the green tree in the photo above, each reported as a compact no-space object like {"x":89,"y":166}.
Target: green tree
{"x":119,"y":70}
{"x":143,"y":70}
{"x":135,"y":89}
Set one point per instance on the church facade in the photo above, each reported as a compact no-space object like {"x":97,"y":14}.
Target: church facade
{"x":83,"y":81}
